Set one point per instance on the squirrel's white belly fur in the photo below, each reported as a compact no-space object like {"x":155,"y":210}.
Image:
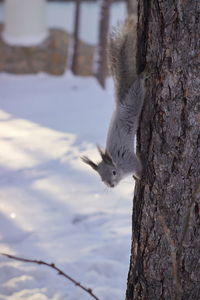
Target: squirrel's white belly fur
{"x":123,"y":128}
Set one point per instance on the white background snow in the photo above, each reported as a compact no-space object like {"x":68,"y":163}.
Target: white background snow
{"x":61,"y":15}
{"x":53,"y":207}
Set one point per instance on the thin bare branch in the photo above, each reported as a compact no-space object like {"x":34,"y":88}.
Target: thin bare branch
{"x":53,"y":266}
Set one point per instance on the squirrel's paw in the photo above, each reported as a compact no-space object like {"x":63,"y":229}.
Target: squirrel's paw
{"x":136,"y":177}
{"x":140,"y":179}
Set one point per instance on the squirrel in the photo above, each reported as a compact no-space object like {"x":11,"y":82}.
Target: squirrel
{"x":119,"y":158}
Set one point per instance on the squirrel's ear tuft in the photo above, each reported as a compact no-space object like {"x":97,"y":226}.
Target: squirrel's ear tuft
{"x":105,"y":155}
{"x":101,"y":151}
{"x":89,"y":162}
{"x":107,"y":158}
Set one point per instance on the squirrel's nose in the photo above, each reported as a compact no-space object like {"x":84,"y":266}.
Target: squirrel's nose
{"x":109,"y":184}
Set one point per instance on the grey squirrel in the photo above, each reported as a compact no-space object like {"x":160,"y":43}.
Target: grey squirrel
{"x":119,"y":158}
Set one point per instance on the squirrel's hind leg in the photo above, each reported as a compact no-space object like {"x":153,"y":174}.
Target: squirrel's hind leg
{"x":135,"y":95}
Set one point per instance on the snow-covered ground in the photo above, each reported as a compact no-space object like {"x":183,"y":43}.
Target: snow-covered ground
{"x":53,"y":207}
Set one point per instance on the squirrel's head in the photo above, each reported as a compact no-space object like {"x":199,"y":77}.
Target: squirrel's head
{"x":107,"y":169}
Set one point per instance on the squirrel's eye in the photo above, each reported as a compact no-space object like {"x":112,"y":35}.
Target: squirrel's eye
{"x":114,"y":173}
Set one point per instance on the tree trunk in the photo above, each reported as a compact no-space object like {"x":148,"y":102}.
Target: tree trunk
{"x":102,"y":46}
{"x":74,"y":66}
{"x":165,"y":254}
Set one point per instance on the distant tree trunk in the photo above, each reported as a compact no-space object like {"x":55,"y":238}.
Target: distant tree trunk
{"x":102,"y":44}
{"x":74,"y":66}
{"x":165,"y":254}
{"x":131,"y":4}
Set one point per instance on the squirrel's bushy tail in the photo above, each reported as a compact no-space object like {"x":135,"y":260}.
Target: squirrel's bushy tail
{"x":122,"y":56}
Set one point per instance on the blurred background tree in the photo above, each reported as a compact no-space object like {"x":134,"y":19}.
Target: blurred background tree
{"x":76,"y":44}
{"x":30,"y":44}
{"x":102,"y":43}
{"x":131,"y":6}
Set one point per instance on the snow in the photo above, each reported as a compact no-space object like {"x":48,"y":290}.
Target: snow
{"x":53,"y":206}
{"x":24,"y":40}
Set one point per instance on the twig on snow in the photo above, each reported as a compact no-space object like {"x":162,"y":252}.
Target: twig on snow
{"x":53,"y":266}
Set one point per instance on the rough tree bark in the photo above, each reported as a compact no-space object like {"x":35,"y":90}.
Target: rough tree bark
{"x":76,"y":43}
{"x":102,"y":45}
{"x":165,"y":254}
